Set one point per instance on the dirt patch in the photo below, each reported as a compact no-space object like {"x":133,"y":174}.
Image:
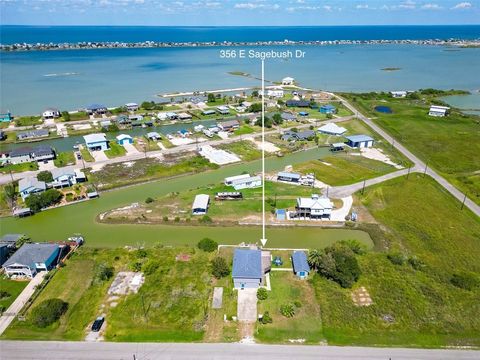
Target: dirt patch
{"x":361,"y":297}
{"x":183,"y":257}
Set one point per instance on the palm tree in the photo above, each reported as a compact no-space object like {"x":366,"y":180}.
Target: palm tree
{"x":315,"y":258}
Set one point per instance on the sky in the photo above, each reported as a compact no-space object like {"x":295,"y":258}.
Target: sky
{"x":239,"y":12}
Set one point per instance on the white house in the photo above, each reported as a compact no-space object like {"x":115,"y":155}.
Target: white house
{"x":314,"y":207}
{"x":276,"y":93}
{"x":96,"y":142}
{"x":438,"y":111}
{"x":63,"y":177}
{"x":30,"y":185}
{"x":200,"y":204}
{"x":132,"y":106}
{"x":332,"y":129}
{"x":288,"y":81}
{"x":32,"y":258}
{"x":398,"y":94}
{"x":51,"y":113}
{"x":250,"y":182}
{"x":229,"y":180}
{"x":222,"y":109}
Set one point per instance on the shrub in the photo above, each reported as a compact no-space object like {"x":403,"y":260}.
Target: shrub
{"x":220,"y":267}
{"x":136,"y":266}
{"x":207,"y":245}
{"x":149,"y":200}
{"x":396,"y":258}
{"x":297,"y":304}
{"x":205,"y":219}
{"x":4,"y":294}
{"x":141,"y":253}
{"x":464,"y":280}
{"x":262,"y":294}
{"x":103,"y":272}
{"x":354,"y":245}
{"x":287,"y":310}
{"x":45,"y":176}
{"x":266,"y":318}
{"x":48,"y":311}
{"x":165,"y":218}
{"x":36,"y":202}
{"x":415,"y":263}
{"x":150,"y":267}
{"x":177,"y":219}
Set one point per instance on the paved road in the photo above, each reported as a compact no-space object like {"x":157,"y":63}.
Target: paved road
{"x":20,"y":301}
{"x":42,"y":350}
{"x":6,"y":178}
{"x":419,"y":164}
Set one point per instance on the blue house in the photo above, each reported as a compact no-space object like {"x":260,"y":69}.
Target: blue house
{"x":300,"y":264}
{"x":123,"y":139}
{"x":328,"y":109}
{"x":247,"y":268}
{"x":6,"y":117}
{"x":95,"y":142}
{"x":31,"y":258}
{"x":359,"y":141}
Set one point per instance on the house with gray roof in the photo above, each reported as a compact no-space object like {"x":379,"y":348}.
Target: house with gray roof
{"x":300,"y":135}
{"x":11,"y":240}
{"x":286,"y":116}
{"x":32,"y":134}
{"x":247,"y":269}
{"x":64,"y":177}
{"x":28,"y":154}
{"x":96,"y":142}
{"x":30,"y":185}
{"x":360,"y":141}
{"x":300,"y":264}
{"x":30,"y":259}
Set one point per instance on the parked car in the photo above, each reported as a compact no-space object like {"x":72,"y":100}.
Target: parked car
{"x":97,"y":324}
{"x":79,"y":156}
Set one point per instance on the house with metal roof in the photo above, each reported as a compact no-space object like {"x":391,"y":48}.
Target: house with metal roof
{"x":438,"y":111}
{"x":123,"y":139}
{"x":28,"y":154}
{"x":332,"y":129}
{"x":208,"y":112}
{"x":200,"y":204}
{"x":96,"y":109}
{"x":11,"y":240}
{"x":288,"y":80}
{"x":249,"y":182}
{"x":314,"y":207}
{"x":297,"y":103}
{"x":64,"y":177}
{"x":328,"y":109}
{"x":51,"y":113}
{"x":123,"y":119}
{"x":229,"y":125}
{"x":32,"y":134}
{"x":32,"y":258}
{"x":286,"y":116}
{"x":222,"y":109}
{"x":300,"y":264}
{"x":288,"y":177}
{"x":229,"y":180}
{"x":247,"y":269}
{"x":398,"y":94}
{"x":298,"y":136}
{"x":132,"y":106}
{"x":30,"y":185}
{"x":96,"y":142}
{"x":153,"y":135}
{"x":360,"y":141}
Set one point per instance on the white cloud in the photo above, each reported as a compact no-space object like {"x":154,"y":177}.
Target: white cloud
{"x":362,"y":6}
{"x":462,"y":5}
{"x":327,"y":7}
{"x":409,"y":4}
{"x":431,"y":7}
{"x":256,"y":5}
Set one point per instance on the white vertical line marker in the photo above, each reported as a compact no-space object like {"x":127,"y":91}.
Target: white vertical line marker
{"x":263,"y":239}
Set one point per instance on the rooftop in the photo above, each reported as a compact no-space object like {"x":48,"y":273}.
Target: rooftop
{"x":359,"y":138}
{"x":31,"y":182}
{"x":299,"y":260}
{"x":29,"y":254}
{"x":247,"y":263}
{"x":201,"y":201}
{"x":94,"y":138}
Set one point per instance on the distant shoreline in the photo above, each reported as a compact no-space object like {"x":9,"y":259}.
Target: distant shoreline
{"x":460,"y":43}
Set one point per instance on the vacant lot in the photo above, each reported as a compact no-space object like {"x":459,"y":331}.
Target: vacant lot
{"x":414,"y":302}
{"x":447,"y":144}
{"x":247,"y":150}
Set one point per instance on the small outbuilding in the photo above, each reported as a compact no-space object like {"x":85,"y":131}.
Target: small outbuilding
{"x":153,"y":135}
{"x":200,"y":204}
{"x":438,"y":111}
{"x":360,"y":141}
{"x":300,"y":264}
{"x":288,"y":177}
{"x":123,"y":139}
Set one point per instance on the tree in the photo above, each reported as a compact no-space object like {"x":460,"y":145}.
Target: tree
{"x":211,"y":98}
{"x":262,"y":294}
{"x":220,"y":267}
{"x":315,"y":258}
{"x":266,"y":318}
{"x":277,"y":119}
{"x":48,"y":311}
{"x":103,"y":272}
{"x":36,"y":202}
{"x":287,"y":310}
{"x":207,"y":245}
{"x":66,"y":115}
{"x":257,"y":107}
{"x":45,"y":176}
{"x":255,"y":93}
{"x":149,"y":200}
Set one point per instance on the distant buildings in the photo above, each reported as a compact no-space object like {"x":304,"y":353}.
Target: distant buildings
{"x":360,"y":141}
{"x":229,"y":125}
{"x":438,"y":111}
{"x":398,"y":94}
{"x":124,"y":139}
{"x":6,"y":117}
{"x":51,"y":113}
{"x":300,"y":135}
{"x":95,"y":142}
{"x":328,"y":109}
{"x":223,"y":110}
{"x":332,"y":129}
{"x":96,"y":109}
{"x":200,"y":204}
{"x":132,"y":106}
{"x":298,"y":103}
{"x":32,"y":134}
{"x":30,"y":259}
{"x":288,"y":81}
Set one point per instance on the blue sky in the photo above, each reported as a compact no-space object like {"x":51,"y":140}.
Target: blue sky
{"x":239,"y":12}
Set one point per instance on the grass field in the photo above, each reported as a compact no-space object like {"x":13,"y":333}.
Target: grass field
{"x":245,"y":149}
{"x":306,"y":324}
{"x":447,"y":144}
{"x":115,"y":150}
{"x":412,"y":306}
{"x":64,"y":158}
{"x":86,"y":155}
{"x":244,"y":130}
{"x":14,"y":168}
{"x":13,"y":288}
{"x":343,"y":169}
{"x":28,"y":120}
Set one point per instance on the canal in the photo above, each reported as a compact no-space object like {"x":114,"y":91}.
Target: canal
{"x":58,"y":224}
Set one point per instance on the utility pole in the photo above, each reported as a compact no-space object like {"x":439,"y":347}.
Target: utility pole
{"x":408,"y":174}
{"x":425,"y":171}
{"x":11,"y":176}
{"x":363,"y":189}
{"x":463,"y":202}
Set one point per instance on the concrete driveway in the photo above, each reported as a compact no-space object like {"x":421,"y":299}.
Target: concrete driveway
{"x":49,"y":165}
{"x":131,"y":150}
{"x":99,"y":155}
{"x":247,"y":305}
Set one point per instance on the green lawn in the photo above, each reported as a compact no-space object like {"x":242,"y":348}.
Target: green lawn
{"x":245,"y":149}
{"x":306,"y":324}
{"x":14,"y":168}
{"x":343,"y":169}
{"x":86,"y":155}
{"x":447,"y":144}
{"x":115,"y":150}
{"x":64,"y":158}
{"x":13,"y":288}
{"x":244,"y":130}
{"x":28,"y":120}
{"x":421,"y":220}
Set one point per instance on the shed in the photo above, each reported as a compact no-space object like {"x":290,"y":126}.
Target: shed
{"x":300,"y":264}
{"x":200,"y":204}
{"x":360,"y":141}
{"x":123,"y":139}
{"x":153,"y":135}
{"x":281,"y":214}
{"x":288,"y":177}
{"x":332,"y":129}
{"x":247,"y":268}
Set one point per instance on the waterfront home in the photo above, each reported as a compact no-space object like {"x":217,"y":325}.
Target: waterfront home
{"x":229,"y":180}
{"x":135,"y":117}
{"x":249,"y":268}
{"x":286,"y":116}
{"x":300,"y":136}
{"x":123,"y":139}
{"x":275,"y":93}
{"x":288,"y":80}
{"x":398,"y":94}
{"x":208,"y":112}
{"x":28,"y":154}
{"x":64,"y":177}
{"x":332,"y":129}
{"x":337,"y":147}
{"x":300,"y":264}
{"x":132,"y":106}
{"x":249,"y":182}
{"x":229,"y":125}
{"x":123,"y":120}
{"x":222,"y":109}
{"x":297,"y":103}
{"x":32,"y":258}
{"x":32,"y":134}
{"x":30,"y":185}
{"x":11,"y":240}
{"x":6,"y":117}
{"x":96,"y":142}
{"x":438,"y":111}
{"x":171,"y":115}
{"x":51,"y":113}
{"x":105,"y":124}
{"x":198,"y":128}
{"x":288,"y":177}
{"x":96,"y":109}
{"x":153,"y":135}
{"x":314,"y":207}
{"x":360,"y":141}
{"x":196,"y":100}
{"x":328,"y":109}
{"x":184,"y":116}
{"x":200,"y":204}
